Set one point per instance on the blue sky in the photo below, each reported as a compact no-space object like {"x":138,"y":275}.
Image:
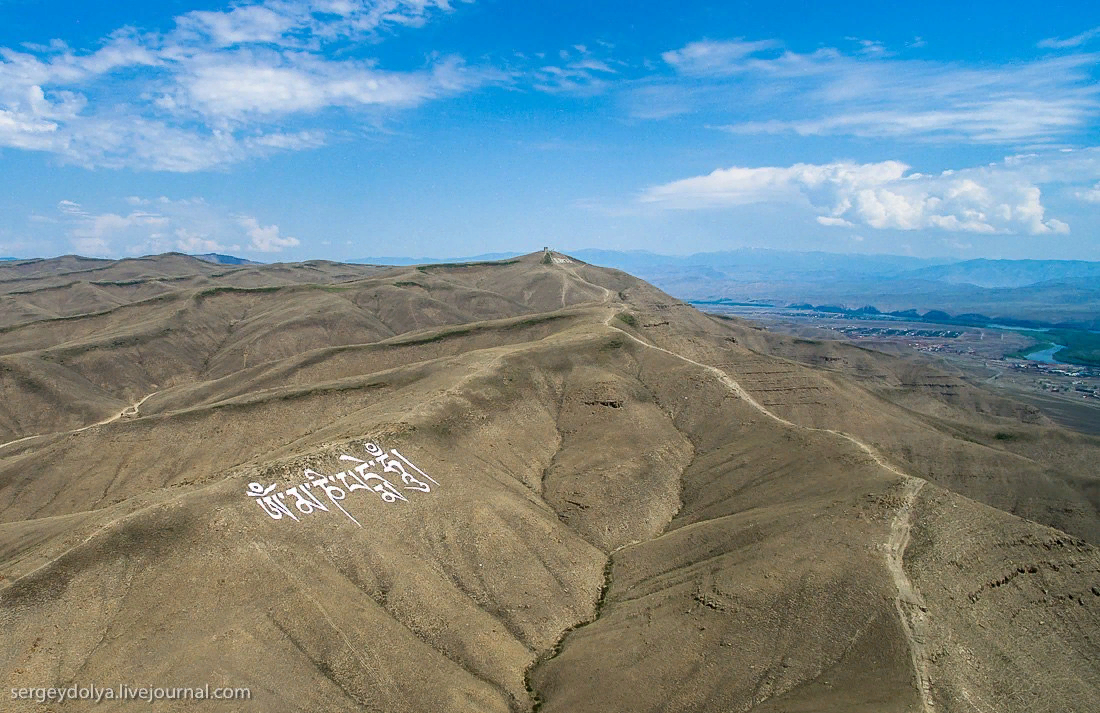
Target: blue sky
{"x":296,"y":129}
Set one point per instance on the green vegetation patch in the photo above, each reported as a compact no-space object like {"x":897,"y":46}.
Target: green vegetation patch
{"x":627,"y":319}
{"x":226,"y":289}
{"x":1081,"y":347}
{"x":533,"y":321}
{"x":1025,"y":351}
{"x":140,"y":281}
{"x":437,"y":337}
{"x":458,"y":265}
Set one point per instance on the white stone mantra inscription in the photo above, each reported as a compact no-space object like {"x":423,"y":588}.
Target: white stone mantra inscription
{"x":335,"y":488}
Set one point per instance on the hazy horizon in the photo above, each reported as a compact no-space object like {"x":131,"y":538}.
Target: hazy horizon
{"x":508,"y":254}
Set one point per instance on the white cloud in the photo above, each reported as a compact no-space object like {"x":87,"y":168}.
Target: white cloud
{"x":1002,"y":120}
{"x":836,"y":222}
{"x":585,"y":76}
{"x":189,"y":225}
{"x":242,"y":25}
{"x":217,"y":88}
{"x":1075,"y":41}
{"x":191,"y":243}
{"x":301,"y":22}
{"x":999,"y":198}
{"x":265,"y":238}
{"x":869,"y":47}
{"x":715,"y":59}
{"x":91,"y":247}
{"x":872,"y":94}
{"x":252,"y":85}
{"x":957,"y":245}
{"x":1089,"y":195}
{"x":595,"y":65}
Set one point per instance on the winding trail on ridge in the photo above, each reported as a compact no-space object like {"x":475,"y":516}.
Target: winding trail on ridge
{"x":908,"y":602}
{"x":131,"y":410}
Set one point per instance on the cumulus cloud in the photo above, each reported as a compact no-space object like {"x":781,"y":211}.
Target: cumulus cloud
{"x":216,"y":88}
{"x":94,"y":233}
{"x":265,"y":238}
{"x":241,"y":25}
{"x":155,"y":225}
{"x":188,"y":242}
{"x":1089,"y":195}
{"x":885,"y":195}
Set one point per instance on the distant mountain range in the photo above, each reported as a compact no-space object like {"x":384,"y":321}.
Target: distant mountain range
{"x":1010,"y":273}
{"x":748,"y":264}
{"x":1041,"y":291}
{"x":403,"y":261}
{"x":225,"y":259}
{"x":763,"y":265}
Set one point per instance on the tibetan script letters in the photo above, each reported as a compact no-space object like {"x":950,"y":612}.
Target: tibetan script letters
{"x":320,"y":492}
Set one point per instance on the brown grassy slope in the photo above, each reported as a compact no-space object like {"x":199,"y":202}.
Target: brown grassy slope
{"x":54,"y":272}
{"x":999,"y":589}
{"x":70,"y":286}
{"x":768,"y":545}
{"x":66,"y":300}
{"x":192,"y":334}
{"x":592,"y":469}
{"x":40,"y":397}
{"x":504,"y":574}
{"x":931,"y":423}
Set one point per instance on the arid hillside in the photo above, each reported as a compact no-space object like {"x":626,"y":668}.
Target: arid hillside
{"x":525,"y":485}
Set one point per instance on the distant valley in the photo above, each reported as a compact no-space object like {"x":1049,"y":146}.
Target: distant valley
{"x":1051,"y":292}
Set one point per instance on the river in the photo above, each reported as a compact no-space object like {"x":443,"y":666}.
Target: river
{"x":1046,"y":355}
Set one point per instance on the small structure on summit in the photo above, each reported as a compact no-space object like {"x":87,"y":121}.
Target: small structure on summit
{"x":548,"y":258}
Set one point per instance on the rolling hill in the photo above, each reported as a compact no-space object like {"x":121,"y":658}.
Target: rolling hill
{"x":527,"y":484}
